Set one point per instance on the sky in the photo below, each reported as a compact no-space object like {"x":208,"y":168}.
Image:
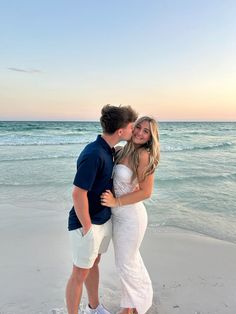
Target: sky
{"x":63,"y":60}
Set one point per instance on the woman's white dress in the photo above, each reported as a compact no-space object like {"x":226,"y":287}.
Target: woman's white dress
{"x":129,"y":225}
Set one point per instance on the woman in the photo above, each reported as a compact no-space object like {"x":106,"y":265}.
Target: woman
{"x":133,"y":182}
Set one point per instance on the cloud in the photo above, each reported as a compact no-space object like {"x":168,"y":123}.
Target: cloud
{"x":30,"y":71}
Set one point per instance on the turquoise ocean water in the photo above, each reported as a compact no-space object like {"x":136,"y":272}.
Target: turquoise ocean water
{"x":195,"y":184}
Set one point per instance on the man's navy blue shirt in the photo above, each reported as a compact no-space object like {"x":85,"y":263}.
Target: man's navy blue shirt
{"x":94,"y":174}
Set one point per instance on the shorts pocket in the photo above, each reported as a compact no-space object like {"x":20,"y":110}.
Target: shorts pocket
{"x":89,"y":232}
{"x":80,"y":230}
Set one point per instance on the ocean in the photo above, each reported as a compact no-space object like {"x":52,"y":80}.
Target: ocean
{"x":195,"y":183}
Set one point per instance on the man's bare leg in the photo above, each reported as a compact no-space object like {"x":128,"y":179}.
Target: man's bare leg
{"x":74,"y":289}
{"x":92,"y":283}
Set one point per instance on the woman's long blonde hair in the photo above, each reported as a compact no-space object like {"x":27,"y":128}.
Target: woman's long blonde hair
{"x":132,"y":153}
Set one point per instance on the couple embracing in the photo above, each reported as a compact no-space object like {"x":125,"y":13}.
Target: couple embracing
{"x":109,"y":186}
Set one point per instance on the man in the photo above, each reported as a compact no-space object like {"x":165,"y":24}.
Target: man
{"x":89,"y":221}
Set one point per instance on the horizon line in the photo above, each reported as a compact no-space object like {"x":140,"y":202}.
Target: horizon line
{"x":190,"y":121}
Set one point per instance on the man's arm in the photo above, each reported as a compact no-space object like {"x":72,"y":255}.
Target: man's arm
{"x":80,"y":201}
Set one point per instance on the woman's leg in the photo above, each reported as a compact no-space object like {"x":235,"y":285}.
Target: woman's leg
{"x":136,"y":289}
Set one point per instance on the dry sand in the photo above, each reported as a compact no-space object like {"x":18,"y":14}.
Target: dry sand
{"x":191,"y":273}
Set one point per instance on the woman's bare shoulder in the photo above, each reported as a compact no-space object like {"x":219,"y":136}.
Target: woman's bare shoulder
{"x":144,"y":156}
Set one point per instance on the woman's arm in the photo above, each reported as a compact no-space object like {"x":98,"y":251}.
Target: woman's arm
{"x":144,"y":191}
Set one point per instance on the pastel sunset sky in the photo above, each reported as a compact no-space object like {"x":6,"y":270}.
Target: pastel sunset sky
{"x":172,"y":59}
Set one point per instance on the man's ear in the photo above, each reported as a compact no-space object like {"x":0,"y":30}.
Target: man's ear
{"x":120,"y":132}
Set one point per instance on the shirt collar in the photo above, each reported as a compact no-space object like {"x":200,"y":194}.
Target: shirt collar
{"x":105,"y":145}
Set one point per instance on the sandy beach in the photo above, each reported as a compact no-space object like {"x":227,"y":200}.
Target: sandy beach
{"x":191,"y":273}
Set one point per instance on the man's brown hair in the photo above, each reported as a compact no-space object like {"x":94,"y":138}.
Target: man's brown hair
{"x":116,"y":117}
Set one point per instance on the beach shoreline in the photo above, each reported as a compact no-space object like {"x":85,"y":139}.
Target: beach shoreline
{"x":191,"y":272}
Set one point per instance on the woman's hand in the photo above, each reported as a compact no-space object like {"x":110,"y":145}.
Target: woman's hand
{"x":107,"y":199}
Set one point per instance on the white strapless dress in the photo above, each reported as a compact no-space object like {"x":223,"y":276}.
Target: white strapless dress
{"x":129,"y":225}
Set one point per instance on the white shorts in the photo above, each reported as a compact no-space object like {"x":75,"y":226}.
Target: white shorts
{"x":85,"y":249}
